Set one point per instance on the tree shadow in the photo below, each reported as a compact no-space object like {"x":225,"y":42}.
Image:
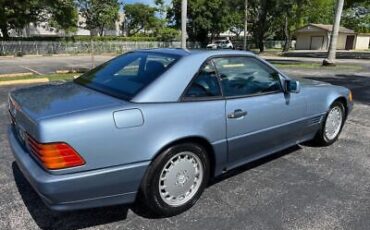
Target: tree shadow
{"x":47,"y":219}
{"x":359,"y":85}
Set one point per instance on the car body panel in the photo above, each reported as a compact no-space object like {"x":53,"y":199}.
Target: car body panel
{"x":272,"y":120}
{"x":45,"y":101}
{"x":79,"y":190}
{"x":118,"y":139}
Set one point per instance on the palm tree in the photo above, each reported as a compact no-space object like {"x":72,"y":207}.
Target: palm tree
{"x":245,"y":47}
{"x":334,"y":35}
{"x":184,"y":6}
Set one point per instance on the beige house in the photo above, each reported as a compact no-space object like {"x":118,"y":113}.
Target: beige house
{"x":317,"y":37}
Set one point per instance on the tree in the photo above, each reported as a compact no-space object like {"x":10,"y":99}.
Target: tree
{"x":167,"y":34}
{"x":357,"y":17}
{"x":334,"y":35}
{"x":245,"y":45}
{"x":184,"y":13}
{"x":290,"y":19}
{"x":139,"y":17}
{"x":16,"y":14}
{"x":161,"y":8}
{"x":205,"y":17}
{"x":236,"y":16}
{"x":99,"y":14}
{"x":318,"y":11}
{"x":64,"y":15}
{"x":263,"y":14}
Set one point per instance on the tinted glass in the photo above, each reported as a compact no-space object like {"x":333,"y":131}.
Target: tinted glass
{"x":127,"y":75}
{"x":205,"y":84}
{"x":246,"y":76}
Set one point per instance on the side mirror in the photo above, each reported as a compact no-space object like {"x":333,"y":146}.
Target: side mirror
{"x":292,"y":86}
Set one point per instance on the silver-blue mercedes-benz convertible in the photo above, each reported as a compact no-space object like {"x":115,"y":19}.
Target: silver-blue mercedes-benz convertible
{"x":156,"y":125}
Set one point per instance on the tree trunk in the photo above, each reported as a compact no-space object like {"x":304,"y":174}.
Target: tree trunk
{"x":334,"y":35}
{"x":260,"y":43}
{"x":287,"y":35}
{"x":4,"y":31}
{"x":261,"y":46}
{"x":245,"y":45}
{"x":184,"y":8}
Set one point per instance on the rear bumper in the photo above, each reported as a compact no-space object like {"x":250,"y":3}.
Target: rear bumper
{"x":96,"y":188}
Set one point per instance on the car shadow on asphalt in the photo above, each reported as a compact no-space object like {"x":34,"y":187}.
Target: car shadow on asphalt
{"x":359,"y":85}
{"x":47,"y":219}
{"x":253,"y":164}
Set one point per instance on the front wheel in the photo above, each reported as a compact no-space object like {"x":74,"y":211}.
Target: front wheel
{"x":176,"y":179}
{"x":332,"y":125}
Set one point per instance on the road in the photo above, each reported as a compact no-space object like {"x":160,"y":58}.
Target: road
{"x":301,"y":188}
{"x":50,"y":64}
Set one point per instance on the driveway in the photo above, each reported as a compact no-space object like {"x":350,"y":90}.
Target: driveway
{"x":301,"y":188}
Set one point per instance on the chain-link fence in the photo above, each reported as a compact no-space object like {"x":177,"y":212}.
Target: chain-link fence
{"x":20,"y":48}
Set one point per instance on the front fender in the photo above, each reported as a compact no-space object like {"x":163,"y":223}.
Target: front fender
{"x":321,"y":97}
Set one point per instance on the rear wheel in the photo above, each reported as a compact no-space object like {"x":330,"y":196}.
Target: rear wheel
{"x":332,"y":125}
{"x":176,"y":179}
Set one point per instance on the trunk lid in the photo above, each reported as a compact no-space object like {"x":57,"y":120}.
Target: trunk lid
{"x":27,"y":106}
{"x":52,"y":100}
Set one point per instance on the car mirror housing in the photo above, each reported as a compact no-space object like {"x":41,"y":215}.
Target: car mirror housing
{"x":292,"y":86}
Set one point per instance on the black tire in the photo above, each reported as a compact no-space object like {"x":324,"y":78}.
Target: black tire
{"x":321,"y":138}
{"x":149,"y":191}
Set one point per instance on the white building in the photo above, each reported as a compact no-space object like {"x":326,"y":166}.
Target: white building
{"x":43,"y":29}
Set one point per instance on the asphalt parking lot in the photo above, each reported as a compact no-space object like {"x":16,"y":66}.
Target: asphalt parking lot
{"x":301,"y":188}
{"x":49,"y":64}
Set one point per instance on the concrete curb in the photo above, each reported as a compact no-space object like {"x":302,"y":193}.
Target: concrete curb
{"x":16,"y":74}
{"x":7,"y":57}
{"x":24,"y":81}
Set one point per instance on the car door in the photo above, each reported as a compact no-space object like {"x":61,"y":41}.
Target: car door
{"x":260,"y":117}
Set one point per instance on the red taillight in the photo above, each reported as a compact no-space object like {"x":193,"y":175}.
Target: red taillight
{"x":55,"y":155}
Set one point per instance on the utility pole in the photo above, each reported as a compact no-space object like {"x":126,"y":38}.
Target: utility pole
{"x":330,"y":61}
{"x":245,"y":47}
{"x":184,"y":9}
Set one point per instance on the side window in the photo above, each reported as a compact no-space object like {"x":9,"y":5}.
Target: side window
{"x":243,"y":76}
{"x":205,"y":84}
{"x":145,"y":69}
{"x":131,"y":69}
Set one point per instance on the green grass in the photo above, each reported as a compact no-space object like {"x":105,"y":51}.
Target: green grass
{"x":51,"y":77}
{"x":317,"y":66}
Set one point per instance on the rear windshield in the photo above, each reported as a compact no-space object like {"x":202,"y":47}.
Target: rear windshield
{"x":126,"y":75}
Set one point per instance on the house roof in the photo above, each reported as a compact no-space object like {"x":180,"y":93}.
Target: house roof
{"x":328,"y":28}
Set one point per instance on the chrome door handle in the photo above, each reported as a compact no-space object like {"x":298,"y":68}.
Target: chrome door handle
{"x":238,"y":113}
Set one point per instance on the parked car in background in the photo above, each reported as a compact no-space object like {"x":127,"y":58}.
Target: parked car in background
{"x":156,"y":125}
{"x":221,"y":44}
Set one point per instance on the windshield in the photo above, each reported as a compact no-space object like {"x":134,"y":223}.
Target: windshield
{"x":126,"y":75}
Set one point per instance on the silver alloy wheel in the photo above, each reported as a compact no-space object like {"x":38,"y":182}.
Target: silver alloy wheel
{"x":333,"y":123}
{"x":180,"y":178}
